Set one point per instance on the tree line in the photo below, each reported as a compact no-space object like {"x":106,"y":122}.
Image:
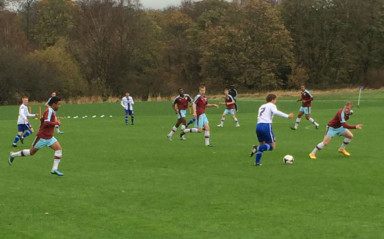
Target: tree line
{"x":108,"y":47}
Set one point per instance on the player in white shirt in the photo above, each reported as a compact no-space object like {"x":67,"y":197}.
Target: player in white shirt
{"x":264,"y":127}
{"x":127,"y":103}
{"x":23,"y":122}
{"x":46,"y":104}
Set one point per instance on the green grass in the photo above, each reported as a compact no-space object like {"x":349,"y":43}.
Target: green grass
{"x":131,"y":182}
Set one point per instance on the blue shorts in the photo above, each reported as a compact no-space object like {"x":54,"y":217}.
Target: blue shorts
{"x":331,"y":132}
{"x":264,"y":133}
{"x":201,"y":121}
{"x":23,"y":127}
{"x":306,"y":110}
{"x":39,"y":143}
{"x":182,"y":114}
{"x":229,"y":112}
{"x":129,"y":112}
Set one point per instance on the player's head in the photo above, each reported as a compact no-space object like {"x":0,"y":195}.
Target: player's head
{"x":53,"y":94}
{"x":271,"y":98}
{"x":54,"y":102}
{"x":126,"y":94}
{"x":24,"y":99}
{"x":226,"y":91}
{"x":348,"y":108}
{"x":302,"y":87}
{"x":181,"y":91}
{"x":202,"y":89}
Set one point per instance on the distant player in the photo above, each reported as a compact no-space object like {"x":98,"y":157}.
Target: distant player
{"x":199,"y":105}
{"x":127,"y":103}
{"x":23,"y":122}
{"x":45,"y":137}
{"x":233,"y":93}
{"x":338,"y":126}
{"x":180,"y":105}
{"x":264,"y":127}
{"x":46,"y":104}
{"x":306,"y":99}
{"x":229,"y":103}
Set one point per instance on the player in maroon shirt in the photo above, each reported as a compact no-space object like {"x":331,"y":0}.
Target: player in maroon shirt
{"x":180,"y":106}
{"x":199,"y":105}
{"x":338,"y":126}
{"x":229,"y":108}
{"x":306,"y":99}
{"x":45,"y":136}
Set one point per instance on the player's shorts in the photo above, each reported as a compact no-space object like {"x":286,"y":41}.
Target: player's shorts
{"x":23,"y":127}
{"x":306,"y":110}
{"x":39,"y":143}
{"x":229,"y":111}
{"x":182,"y":114}
{"x":129,"y":112}
{"x":201,"y":121}
{"x":264,"y":133}
{"x":331,"y":132}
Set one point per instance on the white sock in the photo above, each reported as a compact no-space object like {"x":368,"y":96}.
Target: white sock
{"x":313,"y":121}
{"x":345,"y":142}
{"x":317,"y":148}
{"x":235,"y":119}
{"x":297,"y":122}
{"x":24,"y":152}
{"x":56,"y":161}
{"x":192,"y":130}
{"x":206,"y":137}
{"x":222,"y":120}
{"x":57,"y":128}
{"x":182,"y":127}
{"x":172,"y":131}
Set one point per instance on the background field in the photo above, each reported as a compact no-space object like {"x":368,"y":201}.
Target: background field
{"x":131,"y":182}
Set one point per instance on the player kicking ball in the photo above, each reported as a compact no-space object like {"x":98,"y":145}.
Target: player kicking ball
{"x":180,"y":105}
{"x":230,"y":108}
{"x":264,"y":128}
{"x":199,"y":105}
{"x":45,"y":137}
{"x":338,"y":126}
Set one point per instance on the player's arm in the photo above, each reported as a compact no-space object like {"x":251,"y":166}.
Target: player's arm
{"x":277,"y":112}
{"x":347,"y":126}
{"x":174,"y":106}
{"x":122,"y":104}
{"x":194,"y":109}
{"x":213,"y":105}
{"x":22,"y":114}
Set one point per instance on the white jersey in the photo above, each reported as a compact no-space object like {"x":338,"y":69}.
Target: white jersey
{"x":266,"y":113}
{"x":127,"y":103}
{"x":23,"y":114}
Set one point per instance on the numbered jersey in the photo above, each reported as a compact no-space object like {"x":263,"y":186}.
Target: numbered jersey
{"x":266,"y":113}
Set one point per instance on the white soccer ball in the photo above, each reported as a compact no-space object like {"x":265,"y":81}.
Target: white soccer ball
{"x":288,"y":159}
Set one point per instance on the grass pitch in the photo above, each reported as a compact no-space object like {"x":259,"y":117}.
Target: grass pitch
{"x":131,"y":182}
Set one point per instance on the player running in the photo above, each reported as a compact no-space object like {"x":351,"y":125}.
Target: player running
{"x":46,"y":104}
{"x":127,"y":103}
{"x":338,"y":126}
{"x":199,"y":105}
{"x":180,"y":105}
{"x":306,"y":99}
{"x":230,"y":108}
{"x":264,"y":127}
{"x":23,"y":122}
{"x":45,"y":137}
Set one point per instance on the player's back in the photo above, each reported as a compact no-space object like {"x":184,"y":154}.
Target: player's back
{"x":265,"y":113}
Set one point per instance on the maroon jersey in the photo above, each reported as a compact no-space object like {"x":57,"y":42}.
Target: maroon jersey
{"x":48,"y":122}
{"x":201,"y":103}
{"x":340,"y":120}
{"x":307,"y":97}
{"x":229,"y":99}
{"x":182,"y":102}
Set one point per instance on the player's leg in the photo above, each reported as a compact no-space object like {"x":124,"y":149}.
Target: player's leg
{"x":132,"y":117}
{"x":196,"y":129}
{"x":235,"y":119}
{"x":28,"y":133}
{"x":298,"y":119}
{"x":266,"y":139}
{"x":347,"y":139}
{"x":174,"y":128}
{"x":321,"y":145}
{"x":183,"y":123}
{"x":22,"y":153}
{"x":308,"y":117}
{"x":18,"y":137}
{"x":222,"y":120}
{"x":206,"y":134}
{"x":57,"y":157}
{"x":190,"y":122}
{"x":126,"y":117}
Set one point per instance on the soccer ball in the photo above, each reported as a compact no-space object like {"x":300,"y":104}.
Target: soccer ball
{"x":288,"y":159}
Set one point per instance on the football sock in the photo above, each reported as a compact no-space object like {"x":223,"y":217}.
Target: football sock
{"x":222,"y":120}
{"x":345,"y":142}
{"x":297,"y":122}
{"x":182,"y":127}
{"x":313,"y":121}
{"x":191,"y":121}
{"x":56,"y":161}
{"x":132,"y":119}
{"x":16,"y":139}
{"x":24,"y":152}
{"x":206,"y":137}
{"x":235,"y":119}
{"x":193,"y":130}
{"x":172,"y":131}
{"x":258,"y":157}
{"x":27,"y":134}
{"x":317,"y":148}
{"x":126,"y":119}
